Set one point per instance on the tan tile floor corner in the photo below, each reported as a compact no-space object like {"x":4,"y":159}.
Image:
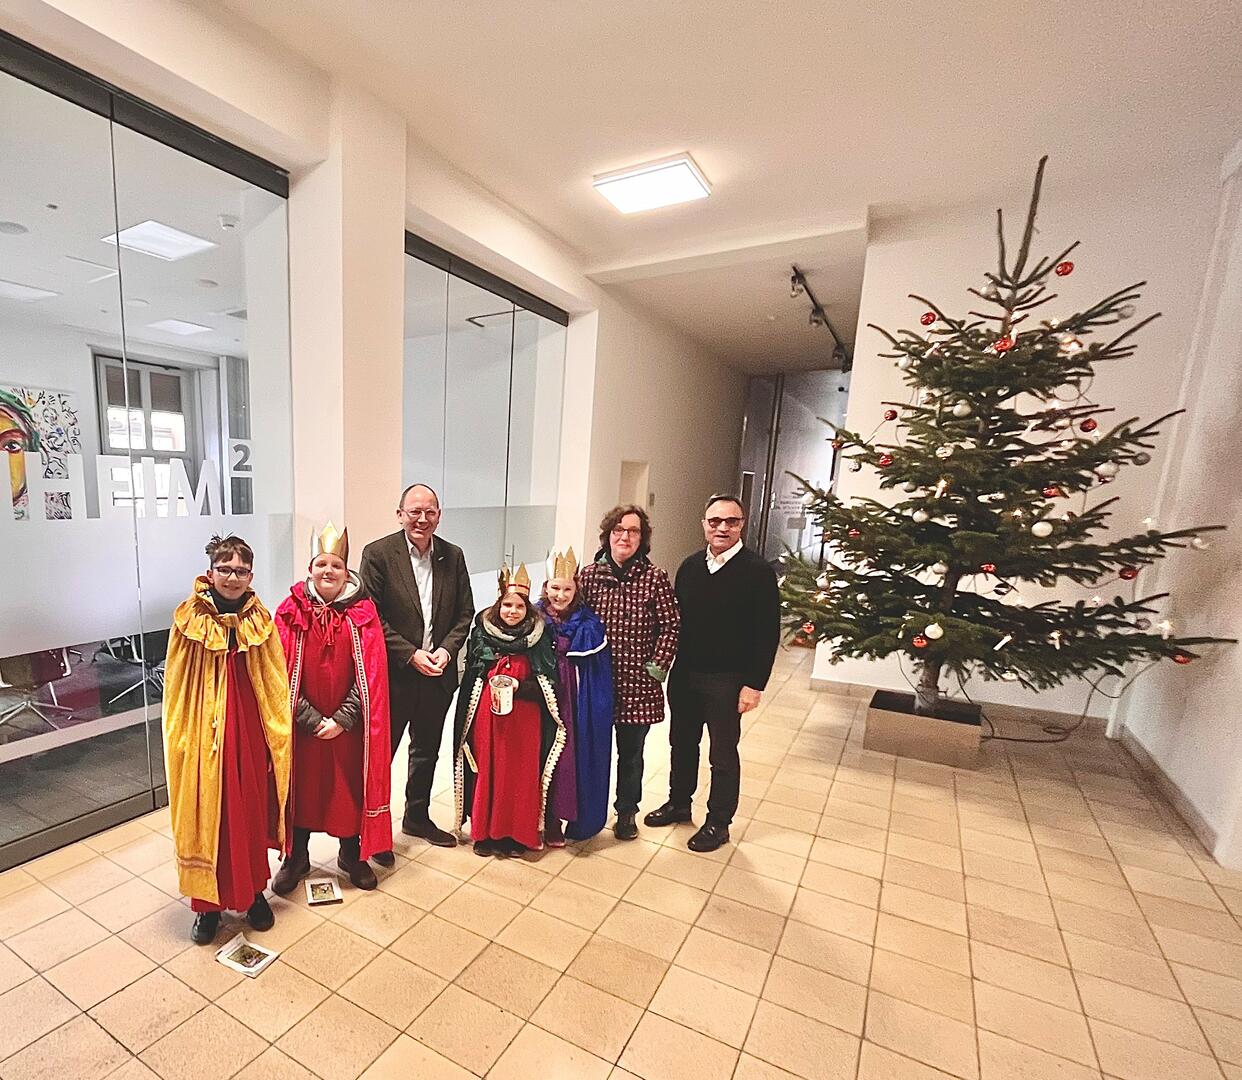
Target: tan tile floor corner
{"x":874,"y":919}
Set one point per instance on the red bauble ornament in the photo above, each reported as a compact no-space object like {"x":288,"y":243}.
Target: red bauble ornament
{"x":808,"y":628}
{"x":884,"y":460}
{"x":853,"y":534}
{"x":890,"y":414}
{"x":1182,"y":658}
{"x":927,"y":318}
{"x":1088,"y":425}
{"x":919,"y":641}
{"x":1064,"y":269}
{"x":1003,"y":344}
{"x":988,"y":568}
{"x":1053,"y":492}
{"x":1128,"y":573}
{"x":838,"y":444}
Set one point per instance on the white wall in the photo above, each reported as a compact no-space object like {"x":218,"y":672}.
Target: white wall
{"x":1159,"y":231}
{"x":1186,"y":718}
{"x":661,"y":399}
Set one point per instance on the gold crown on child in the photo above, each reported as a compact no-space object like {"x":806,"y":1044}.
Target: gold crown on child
{"x":562,"y":564}
{"x":517,"y":581}
{"x":330,"y":541}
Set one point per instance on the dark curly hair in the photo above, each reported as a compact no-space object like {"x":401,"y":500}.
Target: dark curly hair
{"x":223,"y":548}
{"x":613,"y":518}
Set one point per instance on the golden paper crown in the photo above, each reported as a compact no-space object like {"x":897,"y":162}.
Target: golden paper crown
{"x":517,"y":582}
{"x":330,"y":541}
{"x":562,"y":564}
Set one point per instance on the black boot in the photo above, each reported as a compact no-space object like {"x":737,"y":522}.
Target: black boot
{"x":668,"y":814}
{"x":206,"y":923}
{"x":385,"y":858}
{"x":259,"y":914}
{"x":350,"y":862}
{"x":296,"y":865}
{"x":626,"y":828}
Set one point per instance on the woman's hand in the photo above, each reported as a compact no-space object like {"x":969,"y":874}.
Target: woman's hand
{"x":329,"y":729}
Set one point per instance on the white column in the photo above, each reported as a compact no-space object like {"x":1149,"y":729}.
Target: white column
{"x":346,"y":251}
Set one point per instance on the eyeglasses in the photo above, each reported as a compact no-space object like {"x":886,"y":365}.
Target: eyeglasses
{"x":728,"y":523}
{"x":619,"y":532}
{"x":419,"y":515}
{"x":232,"y":571}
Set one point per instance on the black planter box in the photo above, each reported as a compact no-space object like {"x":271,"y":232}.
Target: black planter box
{"x":950,"y":737}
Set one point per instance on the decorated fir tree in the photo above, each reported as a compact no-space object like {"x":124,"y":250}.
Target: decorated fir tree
{"x":995,"y":462}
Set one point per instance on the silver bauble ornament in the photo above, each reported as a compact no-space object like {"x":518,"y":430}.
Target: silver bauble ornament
{"x":856,"y":465}
{"x":934,"y":631}
{"x":909,"y":485}
{"x":905,"y":363}
{"x":920,"y":517}
{"x":945,"y":451}
{"x":1042,"y":529}
{"x":1009,"y":676}
{"x":1106,"y":468}
{"x":1143,"y":623}
{"x":1199,"y":543}
{"x":1142,"y":458}
{"x":940,"y":568}
{"x":961,"y":410}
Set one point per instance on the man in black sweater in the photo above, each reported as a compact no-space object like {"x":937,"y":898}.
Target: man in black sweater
{"x":730,"y":628}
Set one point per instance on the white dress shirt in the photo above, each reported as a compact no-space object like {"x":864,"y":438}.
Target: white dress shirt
{"x":715,"y":562}
{"x":422,"y":578}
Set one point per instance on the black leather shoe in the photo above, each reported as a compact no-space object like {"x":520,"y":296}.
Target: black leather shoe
{"x":291,"y":871}
{"x":360,"y":874}
{"x":259,"y":914}
{"x":385,"y":858}
{"x":709,"y":838}
{"x":485,"y":848}
{"x":668,"y":814}
{"x":205,"y":926}
{"x":626,"y":828}
{"x":429,"y":831}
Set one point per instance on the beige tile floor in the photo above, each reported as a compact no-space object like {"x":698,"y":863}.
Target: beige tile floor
{"x":878,"y":919}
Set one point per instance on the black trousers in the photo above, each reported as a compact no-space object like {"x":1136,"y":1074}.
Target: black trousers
{"x":697,"y":700}
{"x":630,"y":740}
{"x":421,"y":704}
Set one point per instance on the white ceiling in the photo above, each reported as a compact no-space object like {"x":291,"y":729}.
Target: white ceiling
{"x":804,"y":115}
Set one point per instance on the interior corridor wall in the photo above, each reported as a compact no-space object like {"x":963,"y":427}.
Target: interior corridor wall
{"x":1160,"y":232}
{"x":661,"y":399}
{"x":1186,"y":718}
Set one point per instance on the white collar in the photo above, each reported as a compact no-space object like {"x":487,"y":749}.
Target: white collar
{"x":715,"y":562}
{"x":414,"y":552}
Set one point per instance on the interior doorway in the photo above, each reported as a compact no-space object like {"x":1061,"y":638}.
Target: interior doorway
{"x":635,"y":484}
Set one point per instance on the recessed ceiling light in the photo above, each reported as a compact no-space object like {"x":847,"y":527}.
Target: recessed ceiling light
{"x":13,"y":228}
{"x":158,"y":240}
{"x":206,"y":283}
{"x":670,"y":180}
{"x":179,"y":327}
{"x":11,"y":290}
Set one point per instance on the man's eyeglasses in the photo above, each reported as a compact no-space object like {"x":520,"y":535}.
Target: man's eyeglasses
{"x":619,"y":532}
{"x":419,"y":515}
{"x":728,"y":523}
{"x":232,"y":571}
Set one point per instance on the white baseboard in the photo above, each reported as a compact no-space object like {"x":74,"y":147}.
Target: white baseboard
{"x":1186,"y":810}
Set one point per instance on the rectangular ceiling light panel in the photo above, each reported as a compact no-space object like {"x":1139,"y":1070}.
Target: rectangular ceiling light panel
{"x":657,"y":183}
{"x":11,"y":290}
{"x":158,"y":240}
{"x":179,"y":327}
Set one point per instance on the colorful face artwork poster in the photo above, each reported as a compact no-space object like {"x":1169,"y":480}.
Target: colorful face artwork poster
{"x":45,"y":422}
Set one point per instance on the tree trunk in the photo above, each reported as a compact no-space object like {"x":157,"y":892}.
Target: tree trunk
{"x":927,"y":693}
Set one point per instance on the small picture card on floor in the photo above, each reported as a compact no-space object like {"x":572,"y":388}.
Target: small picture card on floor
{"x":245,"y":956}
{"x":323,"y":891}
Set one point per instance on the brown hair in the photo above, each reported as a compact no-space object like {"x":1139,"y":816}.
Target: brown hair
{"x":493,"y":612}
{"x":613,"y":518}
{"x":223,"y":548}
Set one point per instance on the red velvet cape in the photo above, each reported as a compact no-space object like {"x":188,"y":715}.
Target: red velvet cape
{"x":371,"y":669}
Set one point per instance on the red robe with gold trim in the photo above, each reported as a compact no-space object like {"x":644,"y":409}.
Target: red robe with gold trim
{"x":330,"y":652}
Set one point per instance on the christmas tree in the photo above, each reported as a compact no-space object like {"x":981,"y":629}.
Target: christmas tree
{"x":999,"y":439}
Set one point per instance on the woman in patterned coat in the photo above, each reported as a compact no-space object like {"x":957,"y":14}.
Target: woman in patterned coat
{"x":635,"y":601}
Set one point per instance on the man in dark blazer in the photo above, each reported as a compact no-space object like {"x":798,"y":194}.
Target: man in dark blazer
{"x":408,"y":574}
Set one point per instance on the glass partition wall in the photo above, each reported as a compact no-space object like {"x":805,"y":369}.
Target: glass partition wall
{"x":144,"y":406}
{"x":483,"y":386}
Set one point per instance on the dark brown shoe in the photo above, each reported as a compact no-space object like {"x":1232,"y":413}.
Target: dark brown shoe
{"x":429,"y":831}
{"x":291,"y":871}
{"x":626,"y":828}
{"x":360,"y":874}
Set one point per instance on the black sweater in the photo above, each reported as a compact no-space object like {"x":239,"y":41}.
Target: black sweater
{"x":730,"y":620}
